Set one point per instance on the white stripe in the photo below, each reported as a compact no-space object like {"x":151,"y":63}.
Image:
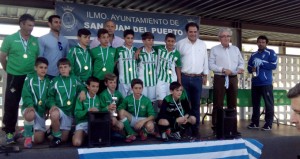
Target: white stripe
{"x":60,"y":98}
{"x":31,"y":86}
{"x":161,"y":146}
{"x":252,"y":146}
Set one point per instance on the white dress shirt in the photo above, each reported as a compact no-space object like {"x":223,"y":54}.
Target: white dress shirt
{"x":194,"y":57}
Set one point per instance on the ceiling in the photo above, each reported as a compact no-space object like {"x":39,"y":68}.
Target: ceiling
{"x":278,"y":19}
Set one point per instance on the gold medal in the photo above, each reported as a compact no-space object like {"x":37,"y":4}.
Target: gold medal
{"x":150,"y":72}
{"x":86,"y":67}
{"x":103,"y":69}
{"x":130,"y":69}
{"x":25,"y":56}
{"x":68,"y":102}
{"x":169,"y":71}
{"x":40,"y":102}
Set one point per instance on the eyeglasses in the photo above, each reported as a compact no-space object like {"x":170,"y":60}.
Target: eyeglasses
{"x":59,"y":46}
{"x":225,"y":36}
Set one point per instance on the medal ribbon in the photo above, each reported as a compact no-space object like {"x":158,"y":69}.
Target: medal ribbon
{"x":180,"y":111}
{"x":104,"y":62}
{"x":68,"y":94}
{"x":137,"y":109}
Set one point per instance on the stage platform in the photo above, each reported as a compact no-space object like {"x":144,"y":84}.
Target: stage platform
{"x":282,"y":141}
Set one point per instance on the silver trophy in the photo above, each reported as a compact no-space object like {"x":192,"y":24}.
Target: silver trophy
{"x":114,"y":101}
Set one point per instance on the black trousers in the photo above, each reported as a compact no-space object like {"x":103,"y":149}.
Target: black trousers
{"x":267,"y":93}
{"x":13,"y":92}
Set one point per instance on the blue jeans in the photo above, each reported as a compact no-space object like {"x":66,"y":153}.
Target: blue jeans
{"x":193,"y":87}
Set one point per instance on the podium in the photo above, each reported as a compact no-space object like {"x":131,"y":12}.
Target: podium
{"x":99,"y":124}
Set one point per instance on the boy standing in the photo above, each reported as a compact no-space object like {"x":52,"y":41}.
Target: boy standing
{"x":34,"y":96}
{"x":80,"y":57}
{"x":90,"y":104}
{"x":137,"y":111}
{"x":103,"y":58}
{"x":110,"y":99}
{"x":169,"y":67}
{"x":62,"y":97}
{"x":175,"y":113}
{"x":126,"y":63}
{"x":147,"y":63}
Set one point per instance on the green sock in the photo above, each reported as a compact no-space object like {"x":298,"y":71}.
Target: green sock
{"x":28,"y":128}
{"x":127,"y":127}
{"x":57,"y":134}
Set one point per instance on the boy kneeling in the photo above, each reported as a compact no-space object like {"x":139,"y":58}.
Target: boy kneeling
{"x":174,"y":113}
{"x":137,"y":111}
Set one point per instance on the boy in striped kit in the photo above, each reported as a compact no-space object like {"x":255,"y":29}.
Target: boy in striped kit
{"x":90,"y":104}
{"x":169,"y":67}
{"x":79,"y":56}
{"x":34,"y":96}
{"x":62,"y":97}
{"x":147,"y":63}
{"x":103,"y":58}
{"x":126,"y":63}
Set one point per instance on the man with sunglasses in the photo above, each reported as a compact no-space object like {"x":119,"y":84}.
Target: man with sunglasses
{"x":53,"y":46}
{"x":18,"y":54}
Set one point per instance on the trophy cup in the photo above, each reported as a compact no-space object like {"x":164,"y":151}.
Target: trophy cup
{"x":114,"y":101}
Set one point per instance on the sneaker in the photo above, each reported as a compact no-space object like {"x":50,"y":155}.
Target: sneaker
{"x":168,"y":132}
{"x":10,"y":138}
{"x":191,"y":138}
{"x":266,"y":128}
{"x":176,"y":135}
{"x":28,"y":142}
{"x":143,"y":135}
{"x":55,"y":142}
{"x":164,"y":137}
{"x":130,"y":138}
{"x":253,"y":126}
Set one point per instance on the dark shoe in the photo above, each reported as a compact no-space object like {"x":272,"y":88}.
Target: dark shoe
{"x":55,"y":142}
{"x":266,"y":128}
{"x":253,"y":126}
{"x":176,"y":135}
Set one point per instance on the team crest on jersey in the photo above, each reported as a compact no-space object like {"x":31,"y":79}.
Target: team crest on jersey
{"x":143,"y":107}
{"x":33,"y":43}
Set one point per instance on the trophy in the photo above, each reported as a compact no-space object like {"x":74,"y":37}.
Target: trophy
{"x":114,"y":101}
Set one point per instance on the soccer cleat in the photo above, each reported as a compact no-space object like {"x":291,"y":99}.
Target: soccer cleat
{"x":55,"y":142}
{"x":164,"y":137}
{"x":253,"y":126}
{"x":130,"y":138}
{"x":10,"y":138}
{"x":143,"y":135}
{"x":28,"y":142}
{"x":176,"y":135}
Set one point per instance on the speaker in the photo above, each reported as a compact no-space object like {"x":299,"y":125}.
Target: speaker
{"x":226,"y":126}
{"x":99,"y":129}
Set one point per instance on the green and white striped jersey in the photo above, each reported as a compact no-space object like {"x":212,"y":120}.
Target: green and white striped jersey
{"x":167,"y":61}
{"x":127,"y":64}
{"x":147,"y":63}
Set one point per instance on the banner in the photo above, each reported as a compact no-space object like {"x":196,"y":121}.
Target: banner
{"x":222,"y":149}
{"x":77,"y":16}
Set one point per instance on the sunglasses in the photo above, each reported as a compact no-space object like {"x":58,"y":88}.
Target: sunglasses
{"x":60,"y":46}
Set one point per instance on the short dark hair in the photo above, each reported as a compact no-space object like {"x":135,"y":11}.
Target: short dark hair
{"x":101,"y":32}
{"x":174,"y":85}
{"x":109,"y":77}
{"x":63,"y":61}
{"x":92,"y":79}
{"x":25,"y":17}
{"x":41,"y":60}
{"x":170,"y":35}
{"x":191,"y":24}
{"x":128,"y":32}
{"x":50,"y":19}
{"x":147,"y":35}
{"x":83,"y":31}
{"x":263,"y":37}
{"x":294,"y":92}
{"x":136,"y":81}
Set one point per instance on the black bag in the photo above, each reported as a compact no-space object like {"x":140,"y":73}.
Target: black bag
{"x":99,"y":129}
